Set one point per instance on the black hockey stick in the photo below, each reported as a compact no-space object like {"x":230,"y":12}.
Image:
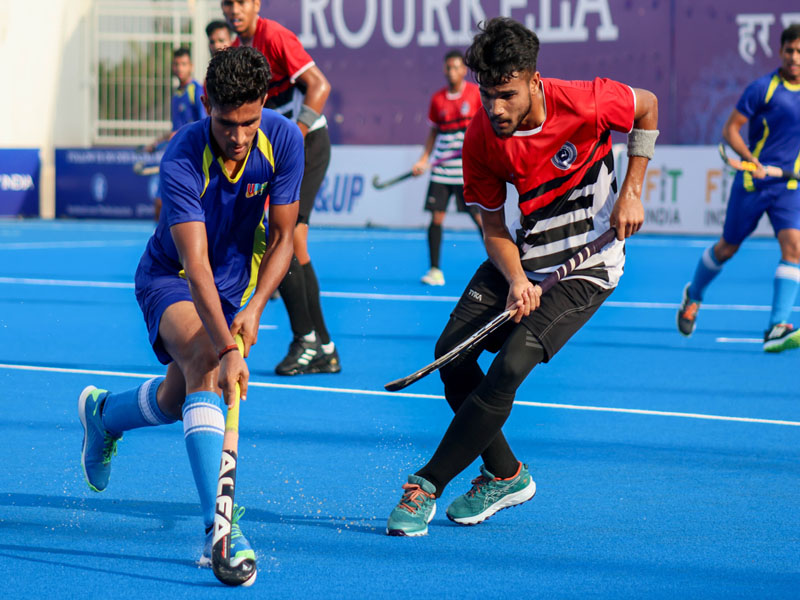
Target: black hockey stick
{"x":228,"y":571}
{"x":548,"y":282}
{"x":743,"y":165}
{"x":379,"y":185}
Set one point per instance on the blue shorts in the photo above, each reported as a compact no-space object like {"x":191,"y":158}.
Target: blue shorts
{"x":745,"y":209}
{"x":155,"y":294}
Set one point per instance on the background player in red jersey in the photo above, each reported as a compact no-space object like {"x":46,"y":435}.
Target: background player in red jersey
{"x":551,"y":140}
{"x":299,"y":91}
{"x":450,"y":112}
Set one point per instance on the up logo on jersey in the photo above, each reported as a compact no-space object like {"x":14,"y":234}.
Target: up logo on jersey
{"x":566,"y":155}
{"x":256,"y":189}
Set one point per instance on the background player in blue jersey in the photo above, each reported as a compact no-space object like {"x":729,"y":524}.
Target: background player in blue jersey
{"x":771,"y":107}
{"x":185,"y":107}
{"x":207,"y":274}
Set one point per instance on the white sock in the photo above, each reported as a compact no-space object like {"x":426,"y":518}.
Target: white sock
{"x":310,"y":337}
{"x":328,"y":348}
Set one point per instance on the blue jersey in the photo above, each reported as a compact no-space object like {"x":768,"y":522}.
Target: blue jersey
{"x":186,"y":106}
{"x":772,"y":106}
{"x":195,"y":186}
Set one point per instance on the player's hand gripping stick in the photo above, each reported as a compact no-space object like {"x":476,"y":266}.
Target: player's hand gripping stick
{"x":588,"y":250}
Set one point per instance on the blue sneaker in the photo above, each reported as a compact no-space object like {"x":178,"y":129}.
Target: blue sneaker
{"x":98,"y":445}
{"x":240,"y":547}
{"x":415,"y":510}
{"x":205,"y":557}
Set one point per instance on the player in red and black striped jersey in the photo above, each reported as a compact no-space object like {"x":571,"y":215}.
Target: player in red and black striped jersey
{"x":451,"y":110}
{"x":298,"y":91}
{"x":551,"y":140}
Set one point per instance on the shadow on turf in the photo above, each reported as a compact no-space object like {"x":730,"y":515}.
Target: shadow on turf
{"x":172,"y":511}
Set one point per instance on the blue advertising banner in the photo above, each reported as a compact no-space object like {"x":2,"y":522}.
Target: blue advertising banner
{"x":100,"y":183}
{"x":19,"y":182}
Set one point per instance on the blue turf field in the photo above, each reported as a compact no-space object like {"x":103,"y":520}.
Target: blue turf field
{"x":630,"y":504}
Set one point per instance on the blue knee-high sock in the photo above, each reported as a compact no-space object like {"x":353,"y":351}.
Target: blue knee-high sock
{"x":708,"y":267}
{"x":203,"y":431}
{"x":133,"y":408}
{"x":787,"y":280}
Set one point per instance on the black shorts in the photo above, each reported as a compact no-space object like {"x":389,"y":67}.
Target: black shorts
{"x":439,"y":197}
{"x":563,"y":310}
{"x":318,"y":155}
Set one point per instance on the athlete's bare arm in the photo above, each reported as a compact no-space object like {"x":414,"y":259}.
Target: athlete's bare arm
{"x":274,"y":264}
{"x":504,"y":253}
{"x":732,"y":132}
{"x":628,"y":213}
{"x":317,"y":91}
{"x":422,"y":164}
{"x":192,"y":245}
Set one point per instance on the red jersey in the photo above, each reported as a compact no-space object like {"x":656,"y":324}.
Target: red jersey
{"x":287,"y":60}
{"x":563,"y":171}
{"x":451,"y":114}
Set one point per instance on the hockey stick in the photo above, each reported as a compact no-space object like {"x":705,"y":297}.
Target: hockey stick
{"x":743,"y":165}
{"x":548,"y":282}
{"x":379,"y":185}
{"x":226,"y":570}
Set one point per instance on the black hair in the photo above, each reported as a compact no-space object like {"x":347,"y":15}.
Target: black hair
{"x":790,"y":34}
{"x":454,"y":54}
{"x":502,"y":48}
{"x":218,"y":24}
{"x":182,"y":51}
{"x":237,"y":76}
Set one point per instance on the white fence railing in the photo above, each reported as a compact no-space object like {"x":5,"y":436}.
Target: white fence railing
{"x":129,"y":63}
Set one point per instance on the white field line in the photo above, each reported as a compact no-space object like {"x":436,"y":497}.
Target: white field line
{"x":728,"y":340}
{"x":67,"y":245}
{"x":316,"y":388}
{"x":375,"y":296}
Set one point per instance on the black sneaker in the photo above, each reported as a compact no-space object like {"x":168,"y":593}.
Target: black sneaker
{"x":687,"y":313}
{"x":780,"y":337}
{"x":325,"y":363}
{"x":300,"y":356}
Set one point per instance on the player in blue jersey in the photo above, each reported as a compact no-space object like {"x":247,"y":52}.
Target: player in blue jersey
{"x":207,"y":274}
{"x":185,"y":107}
{"x":771,"y":107}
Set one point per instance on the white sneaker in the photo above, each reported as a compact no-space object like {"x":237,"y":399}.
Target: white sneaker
{"x":434,"y":276}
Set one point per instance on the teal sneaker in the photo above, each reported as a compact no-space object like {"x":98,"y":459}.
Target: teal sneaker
{"x":98,"y":445}
{"x":490,"y":494}
{"x":416,"y":509}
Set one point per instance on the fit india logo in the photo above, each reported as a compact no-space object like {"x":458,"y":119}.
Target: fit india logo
{"x":256,"y":189}
{"x":566,"y":155}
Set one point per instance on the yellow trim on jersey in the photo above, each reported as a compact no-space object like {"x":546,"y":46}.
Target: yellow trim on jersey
{"x":748,"y":177}
{"x":773,"y":85}
{"x":792,"y":184}
{"x":208,"y":158}
{"x":792,"y":87}
{"x":259,"y":248}
{"x":190,"y":89}
{"x":266,"y":148}
{"x":239,"y":174}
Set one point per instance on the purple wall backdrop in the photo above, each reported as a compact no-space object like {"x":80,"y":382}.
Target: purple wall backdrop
{"x":696,"y":55}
